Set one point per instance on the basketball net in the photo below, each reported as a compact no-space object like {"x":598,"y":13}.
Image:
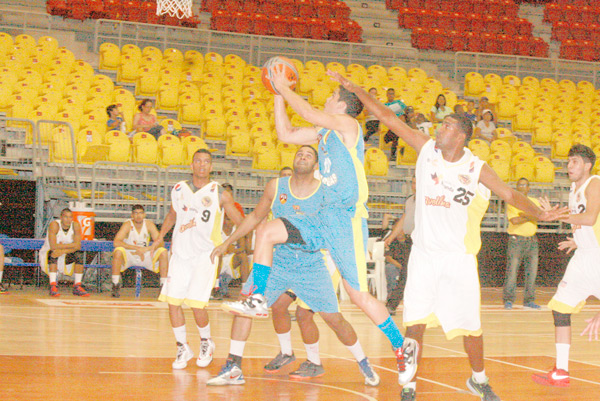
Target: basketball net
{"x":175,"y":8}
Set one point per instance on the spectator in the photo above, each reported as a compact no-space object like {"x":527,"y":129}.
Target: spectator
{"x":458,"y":109}
{"x":522,"y":249}
{"x":484,"y":104}
{"x":423,"y":124}
{"x":486,"y":129}
{"x":470,"y":111}
{"x":399,"y":243}
{"x":397,"y":106}
{"x":115,"y":119}
{"x":229,"y":188}
{"x":234,"y":264}
{"x":286,"y":172}
{"x":144,"y":121}
{"x":371,"y":122}
{"x":410,"y":117}
{"x":440,"y":110}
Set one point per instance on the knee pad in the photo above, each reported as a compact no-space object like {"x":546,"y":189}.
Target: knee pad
{"x":561,"y":319}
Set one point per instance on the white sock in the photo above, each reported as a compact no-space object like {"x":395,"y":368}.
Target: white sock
{"x":78,"y":277}
{"x":1,"y":275}
{"x":285,"y":342}
{"x":312,"y":353}
{"x":52,"y":276}
{"x":480,"y":377}
{"x":357,"y":351}
{"x":204,"y":331}
{"x":237,"y":348}
{"x":412,"y":385}
{"x":163,"y":280}
{"x":562,"y":356}
{"x":115,"y":278}
{"x":217,"y":283}
{"x":180,"y":334}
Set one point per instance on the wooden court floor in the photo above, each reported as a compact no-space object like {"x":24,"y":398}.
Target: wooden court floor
{"x":104,"y":349}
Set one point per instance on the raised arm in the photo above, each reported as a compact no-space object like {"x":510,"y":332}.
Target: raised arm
{"x":286,"y":132}
{"x":414,"y":138}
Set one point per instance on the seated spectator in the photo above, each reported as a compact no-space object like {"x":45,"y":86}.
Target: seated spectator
{"x":371,"y":122}
{"x":144,"y":121}
{"x":115,"y":121}
{"x":484,"y":104}
{"x":286,"y":172}
{"x":439,"y":111}
{"x":2,"y":288}
{"x":397,"y":106}
{"x":486,"y":129}
{"x":423,"y":124}
{"x":470,"y":111}
{"x":410,"y":117}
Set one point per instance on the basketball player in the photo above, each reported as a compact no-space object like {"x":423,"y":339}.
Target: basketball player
{"x":299,"y":269}
{"x":196,"y":212}
{"x":582,"y":278}
{"x":132,"y":248}
{"x":453,"y":190}
{"x":61,"y":253}
{"x":340,"y":226}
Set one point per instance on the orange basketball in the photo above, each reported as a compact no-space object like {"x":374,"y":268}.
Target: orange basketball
{"x":276,"y":63}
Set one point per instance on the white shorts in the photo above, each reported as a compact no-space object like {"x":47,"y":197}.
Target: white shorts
{"x":148,"y":263}
{"x":189,"y":280}
{"x":443,"y":288}
{"x":581,"y":280}
{"x":227,"y":266}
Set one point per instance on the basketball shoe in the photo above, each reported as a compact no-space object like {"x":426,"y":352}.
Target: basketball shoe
{"x":79,"y":291}
{"x":3,"y":289}
{"x":279,"y":362}
{"x":116,"y":290}
{"x":54,"y":290}
{"x":371,"y":378}
{"x":407,"y":360}
{"x":483,"y":390}
{"x":184,"y":354}
{"x":230,"y":373}
{"x":408,"y":394}
{"x":556,"y":377}
{"x":205,"y":357}
{"x":255,"y":306}
{"x":307,"y":370}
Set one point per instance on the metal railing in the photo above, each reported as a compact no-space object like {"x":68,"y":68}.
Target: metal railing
{"x":255,"y":49}
{"x":521,"y":66}
{"x":26,"y":21}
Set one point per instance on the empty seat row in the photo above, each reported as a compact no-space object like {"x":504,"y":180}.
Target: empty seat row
{"x":324,"y":9}
{"x":498,"y":8}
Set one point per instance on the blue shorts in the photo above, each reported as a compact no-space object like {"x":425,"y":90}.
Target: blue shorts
{"x":304,"y":273}
{"x":343,"y":235}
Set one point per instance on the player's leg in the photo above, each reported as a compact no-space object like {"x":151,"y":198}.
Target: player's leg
{"x":184,"y":351}
{"x":240,"y":261}
{"x":414,"y":332}
{"x":77,"y":258}
{"x":163,"y":265}
{"x":513,"y":260}
{"x":282,"y":323}
{"x":2,"y":288}
{"x":531,"y":268}
{"x":52,"y":266}
{"x":231,"y":372}
{"x":478,"y":383}
{"x":309,"y":331}
{"x":207,"y":345}
{"x":118,"y":262}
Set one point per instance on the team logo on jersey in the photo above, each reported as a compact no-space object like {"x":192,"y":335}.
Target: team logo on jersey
{"x":435,"y":178}
{"x":296,"y":208}
{"x":578,"y":197}
{"x":184,"y":208}
{"x":187,"y":226}
{"x":283,"y":199}
{"x":464,"y":179}
{"x":472,"y":168}
{"x":206,"y":201}
{"x":214,"y":186}
{"x":178,"y":187}
{"x":437,"y":201}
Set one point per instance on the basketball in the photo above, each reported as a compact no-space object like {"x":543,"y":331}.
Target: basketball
{"x":276,"y":63}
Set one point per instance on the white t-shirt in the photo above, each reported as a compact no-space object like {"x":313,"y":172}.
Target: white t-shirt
{"x":585,"y":236}
{"x":487,"y":132}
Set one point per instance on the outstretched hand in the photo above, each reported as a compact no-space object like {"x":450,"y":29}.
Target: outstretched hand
{"x":345,"y":82}
{"x":568,"y":245}
{"x":279,"y":79}
{"x":592,"y":328}
{"x":554,"y":213}
{"x":218,"y":252}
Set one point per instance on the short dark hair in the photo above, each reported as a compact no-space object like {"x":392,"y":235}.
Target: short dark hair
{"x":137,"y":207}
{"x":353,"y":104}
{"x":143,"y":103}
{"x":227,"y":186}
{"x":464,"y":124}
{"x":65,"y":210}
{"x":202,"y":150}
{"x":110,"y":108}
{"x":523,"y":179}
{"x":585,"y":152}
{"x":390,"y":90}
{"x":370,"y":89}
{"x":311,"y":148}
{"x":285,"y":168}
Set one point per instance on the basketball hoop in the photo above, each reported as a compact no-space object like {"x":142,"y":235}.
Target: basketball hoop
{"x":175,"y":8}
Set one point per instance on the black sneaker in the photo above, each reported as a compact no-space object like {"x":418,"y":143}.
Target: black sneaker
{"x":216,"y":294}
{"x":408,"y":394}
{"x":116,"y":290}
{"x":483,"y":390}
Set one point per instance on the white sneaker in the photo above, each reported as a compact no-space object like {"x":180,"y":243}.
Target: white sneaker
{"x":229,"y":374}
{"x":184,"y":354}
{"x":205,"y":357}
{"x":407,"y":360}
{"x":255,"y":306}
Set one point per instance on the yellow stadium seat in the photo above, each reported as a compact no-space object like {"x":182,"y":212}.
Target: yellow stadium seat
{"x":512,"y":80}
{"x":530,"y":81}
{"x":26,"y":42}
{"x":90,"y":148}
{"x":144,"y":148}
{"x":505,"y":135}
{"x":480,"y":149}
{"x":474,"y":84}
{"x":119,"y":146}
{"x":131,"y":49}
{"x":147,"y":84}
{"x":170,"y":125}
{"x":287,"y":154}
{"x":376,"y":162}
{"x":337,"y":67}
{"x":560,"y":148}
{"x":502,"y":149}
{"x":6,"y":42}
{"x":128,"y":69}
{"x":215,"y":128}
{"x":500,"y":165}
{"x":96,"y":118}
{"x":406,"y":155}
{"x":213,"y":57}
{"x":190,"y":145}
{"x":505,"y":108}
{"x":238,"y":143}
{"x":542,"y":135}
{"x":397,"y":73}
{"x":167,"y":97}
{"x":493,"y":79}
{"x":316,"y":67}
{"x":523,"y":167}
{"x":264,"y":155}
{"x":61,"y":146}
{"x":110,"y":56}
{"x":523,"y":119}
{"x":544,"y":169}
{"x":190,"y":113}
{"x":170,"y":151}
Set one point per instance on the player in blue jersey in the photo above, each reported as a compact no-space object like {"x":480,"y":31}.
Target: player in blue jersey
{"x":299,"y":269}
{"x":340,"y":226}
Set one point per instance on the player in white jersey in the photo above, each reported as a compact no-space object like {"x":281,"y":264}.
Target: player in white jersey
{"x":196,"y":215}
{"x":453,"y":188}
{"x":61,"y":253}
{"x":132,"y":248}
{"x":582,"y":277}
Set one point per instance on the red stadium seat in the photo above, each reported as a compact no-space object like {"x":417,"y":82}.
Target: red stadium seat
{"x":261,"y":24}
{"x":242,"y":22}
{"x":340,"y":10}
{"x":324,"y":9}
{"x":287,"y":7}
{"x":305,"y":9}
{"x":353,"y":31}
{"x":250,"y":6}
{"x":268,"y":8}
{"x":221,"y":21}
{"x":57,"y":7}
{"x":300,"y":27}
{"x":458,"y":41}
{"x":280,"y":26}
{"x":553,"y":12}
{"x":579,"y":31}
{"x":317,"y":29}
{"x":474,"y":42}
